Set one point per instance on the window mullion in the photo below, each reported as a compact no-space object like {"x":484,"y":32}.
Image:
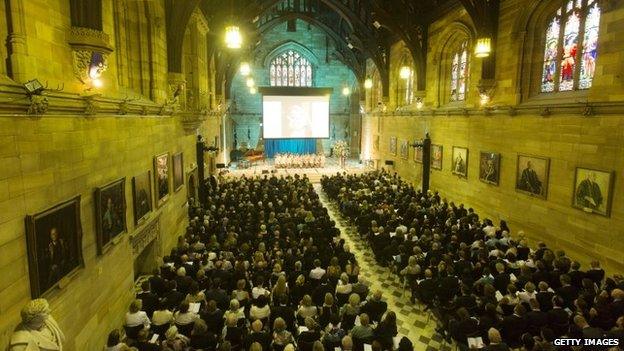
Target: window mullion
{"x":580,"y":43}
{"x":560,"y":47}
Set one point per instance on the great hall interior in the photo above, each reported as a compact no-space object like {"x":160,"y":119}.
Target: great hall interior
{"x":279,"y":175}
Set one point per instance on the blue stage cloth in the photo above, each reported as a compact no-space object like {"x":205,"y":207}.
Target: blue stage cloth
{"x":293,"y":146}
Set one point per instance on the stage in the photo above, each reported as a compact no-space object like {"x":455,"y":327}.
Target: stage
{"x":332,"y":166}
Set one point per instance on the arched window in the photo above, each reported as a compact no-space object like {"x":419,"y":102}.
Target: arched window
{"x":290,"y":69}
{"x":571,"y":37}
{"x":459,"y":73}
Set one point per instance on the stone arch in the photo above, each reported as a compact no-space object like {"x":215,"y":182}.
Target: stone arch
{"x":291,"y":45}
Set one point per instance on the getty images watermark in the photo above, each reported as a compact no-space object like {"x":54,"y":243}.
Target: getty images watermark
{"x":606,"y":342}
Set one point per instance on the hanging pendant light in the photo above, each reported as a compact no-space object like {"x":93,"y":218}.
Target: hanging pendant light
{"x":245,"y":69}
{"x":368,"y":83}
{"x":250,"y":82}
{"x":483,"y":47}
{"x":405,"y":72}
{"x":233,"y":37}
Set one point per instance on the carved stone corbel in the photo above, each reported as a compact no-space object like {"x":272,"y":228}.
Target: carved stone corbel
{"x":85,"y":42}
{"x":91,"y":106}
{"x":38,"y":105}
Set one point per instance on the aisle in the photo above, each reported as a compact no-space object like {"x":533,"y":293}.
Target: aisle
{"x":411,"y":321}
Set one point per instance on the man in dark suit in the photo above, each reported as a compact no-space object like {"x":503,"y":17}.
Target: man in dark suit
{"x":143,"y":344}
{"x":595,"y":273}
{"x":219,"y":295}
{"x":501,"y":279}
{"x":157,"y":283}
{"x":558,"y":317}
{"x":287,"y":313}
{"x":576,"y":276}
{"x":427,"y":288}
{"x":617,"y":305}
{"x":318,"y":294}
{"x":536,"y":318}
{"x":514,"y":326}
{"x":173,"y":298}
{"x":375,"y":307}
{"x":568,"y":292}
{"x":544,"y":297}
{"x":148,"y":299}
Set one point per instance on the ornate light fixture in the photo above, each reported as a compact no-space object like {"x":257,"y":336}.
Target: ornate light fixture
{"x":419,"y":103}
{"x":245,"y":69}
{"x":368,"y":83}
{"x":233,"y":37}
{"x":483,"y":48}
{"x":405,"y":72}
{"x":484,"y":98}
{"x":346,"y":91}
{"x":250,"y":82}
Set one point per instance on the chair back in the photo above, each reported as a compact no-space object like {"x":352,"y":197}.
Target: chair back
{"x":133,"y":332}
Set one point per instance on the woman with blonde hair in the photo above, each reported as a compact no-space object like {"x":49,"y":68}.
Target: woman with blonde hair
{"x":241,"y":294}
{"x":350,"y":311}
{"x":306,"y":308}
{"x":280,"y":288}
{"x":327,"y":310}
{"x":281,"y":336}
{"x":299,"y":289}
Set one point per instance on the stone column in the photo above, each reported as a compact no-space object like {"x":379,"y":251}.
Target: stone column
{"x":18,"y":50}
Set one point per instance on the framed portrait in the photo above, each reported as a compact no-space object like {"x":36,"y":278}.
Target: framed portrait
{"x":161,"y":178}
{"x":404,"y":149}
{"x":436,"y":156}
{"x":110,"y":213}
{"x":54,"y":241}
{"x":532,"y":175}
{"x":418,"y":154}
{"x":142,"y":196}
{"x":489,"y":167}
{"x":460,"y":161}
{"x":178,"y":171}
{"x":393,"y":145}
{"x":592,"y":190}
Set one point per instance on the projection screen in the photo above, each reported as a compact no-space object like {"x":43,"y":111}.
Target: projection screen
{"x":289,"y":113}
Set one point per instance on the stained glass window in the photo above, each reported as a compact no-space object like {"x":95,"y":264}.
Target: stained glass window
{"x":459,"y":73}
{"x":570,"y":47}
{"x":290,"y":69}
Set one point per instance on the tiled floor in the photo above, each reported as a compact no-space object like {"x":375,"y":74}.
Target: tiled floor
{"x":412,"y":322}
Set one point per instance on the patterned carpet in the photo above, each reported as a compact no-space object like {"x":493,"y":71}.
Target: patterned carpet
{"x":417,"y":325}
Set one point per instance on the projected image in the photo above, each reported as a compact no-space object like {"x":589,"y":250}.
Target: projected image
{"x":295,"y":117}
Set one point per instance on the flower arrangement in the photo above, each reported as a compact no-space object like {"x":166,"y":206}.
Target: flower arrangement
{"x":341,"y":149}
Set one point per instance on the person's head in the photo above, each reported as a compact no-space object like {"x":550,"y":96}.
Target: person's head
{"x":535,"y":306}
{"x":255,"y":347}
{"x":617,"y":294}
{"x":318,"y":346}
{"x":543,"y":286}
{"x":306,"y":301}
{"x":256,"y":326}
{"x":354,"y":300}
{"x":234,"y":305}
{"x":347,"y":343}
{"x":390,"y":318}
{"x":279,"y":324}
{"x":231,"y":320}
{"x":171,"y":333}
{"x":580,"y":321}
{"x":240,"y":284}
{"x":53,"y":234}
{"x":199,"y":327}
{"x":135,"y":306}
{"x":494,"y":336}
{"x":529,"y":287}
{"x":143,"y":334}
{"x":463,"y":313}
{"x":329,"y":299}
{"x":344,"y":278}
{"x":364,"y":320}
{"x":35,"y":313}
{"x":114,"y":338}
{"x":184,"y":307}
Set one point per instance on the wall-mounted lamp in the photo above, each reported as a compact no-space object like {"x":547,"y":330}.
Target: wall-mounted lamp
{"x":483,"y":48}
{"x":233,"y":37}
{"x":245,"y":69}
{"x":34,"y":87}
{"x":346,"y":91}
{"x":419,"y":103}
{"x":250,"y":82}
{"x":405,"y":72}
{"x":368,"y":83}
{"x":484,"y":98}
{"x":253,"y":90}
